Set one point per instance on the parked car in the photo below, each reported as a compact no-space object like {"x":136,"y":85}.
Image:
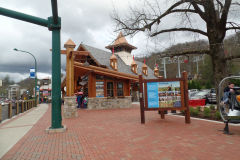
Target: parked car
{"x":201,"y":95}
{"x":190,"y":94}
{"x":212,"y":96}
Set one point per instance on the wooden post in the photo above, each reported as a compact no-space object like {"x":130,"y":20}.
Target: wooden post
{"x":10,"y":110}
{"x":26,"y":105}
{"x":0,"y":113}
{"x":17,"y":109}
{"x":69,"y":45}
{"x":141,"y":99}
{"x":22,"y":107}
{"x":187,"y":112}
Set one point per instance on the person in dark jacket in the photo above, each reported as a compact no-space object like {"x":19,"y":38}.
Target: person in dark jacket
{"x":229,"y":87}
{"x":227,"y":92}
{"x":79,"y":100}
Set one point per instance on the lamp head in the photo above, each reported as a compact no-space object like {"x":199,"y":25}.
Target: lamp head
{"x":15,"y":49}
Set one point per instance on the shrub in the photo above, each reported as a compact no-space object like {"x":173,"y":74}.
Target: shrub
{"x":212,"y":107}
{"x":198,"y":108}
{"x":206,"y":112}
{"x":217,"y":115}
{"x":193,"y":111}
{"x":182,"y":111}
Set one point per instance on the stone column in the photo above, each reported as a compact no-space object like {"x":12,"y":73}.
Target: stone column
{"x":70,"y":107}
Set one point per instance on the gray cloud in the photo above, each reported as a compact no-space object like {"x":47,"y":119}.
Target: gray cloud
{"x":82,"y":21}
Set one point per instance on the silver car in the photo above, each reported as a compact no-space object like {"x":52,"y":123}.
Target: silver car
{"x":212,"y":96}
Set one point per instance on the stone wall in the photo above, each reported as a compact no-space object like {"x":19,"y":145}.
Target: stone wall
{"x":104,"y":103}
{"x":70,"y":107}
{"x":135,"y":95}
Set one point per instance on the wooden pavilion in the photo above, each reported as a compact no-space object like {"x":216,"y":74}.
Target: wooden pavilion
{"x":108,"y":79}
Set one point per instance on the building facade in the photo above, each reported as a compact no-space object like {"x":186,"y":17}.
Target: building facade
{"x":109,"y":79}
{"x":13,"y":91}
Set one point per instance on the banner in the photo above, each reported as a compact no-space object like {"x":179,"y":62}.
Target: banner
{"x":45,"y":93}
{"x":32,"y":73}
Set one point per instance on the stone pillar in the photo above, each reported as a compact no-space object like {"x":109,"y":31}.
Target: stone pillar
{"x":135,"y":93}
{"x":70,"y":107}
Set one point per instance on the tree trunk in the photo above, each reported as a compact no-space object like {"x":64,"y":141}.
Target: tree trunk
{"x":219,"y":67}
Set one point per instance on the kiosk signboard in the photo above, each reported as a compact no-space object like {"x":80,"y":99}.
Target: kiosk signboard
{"x":164,"y":94}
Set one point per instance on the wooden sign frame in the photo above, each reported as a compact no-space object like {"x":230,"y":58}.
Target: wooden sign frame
{"x":184,"y":97}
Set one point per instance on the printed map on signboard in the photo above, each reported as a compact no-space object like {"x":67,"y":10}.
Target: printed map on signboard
{"x":165,"y":94}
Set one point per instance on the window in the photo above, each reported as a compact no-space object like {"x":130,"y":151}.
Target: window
{"x":110,"y":89}
{"x":121,"y":49}
{"x":120,"y":89}
{"x":100,"y":89}
{"x":99,"y":77}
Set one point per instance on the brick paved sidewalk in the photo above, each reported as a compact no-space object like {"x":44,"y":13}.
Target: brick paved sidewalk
{"x":118,"y":134}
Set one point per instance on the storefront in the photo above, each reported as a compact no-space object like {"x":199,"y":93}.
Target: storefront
{"x":106,"y":78}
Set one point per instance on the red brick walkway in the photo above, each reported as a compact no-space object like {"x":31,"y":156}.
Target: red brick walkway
{"x":118,"y":134}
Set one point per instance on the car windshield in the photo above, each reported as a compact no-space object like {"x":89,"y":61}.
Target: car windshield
{"x":201,"y":93}
{"x":213,"y":91}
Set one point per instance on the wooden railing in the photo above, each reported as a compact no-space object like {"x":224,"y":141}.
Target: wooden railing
{"x":8,"y":110}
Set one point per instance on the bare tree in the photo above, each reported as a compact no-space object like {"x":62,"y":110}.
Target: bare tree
{"x":148,"y":18}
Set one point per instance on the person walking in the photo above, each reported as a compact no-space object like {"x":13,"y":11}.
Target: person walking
{"x":79,"y":97}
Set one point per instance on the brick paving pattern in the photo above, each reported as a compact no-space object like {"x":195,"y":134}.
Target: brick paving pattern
{"x":118,"y":134}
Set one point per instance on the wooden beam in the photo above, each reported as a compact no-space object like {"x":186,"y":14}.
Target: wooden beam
{"x":106,"y":71}
{"x":62,"y":51}
{"x":81,"y":53}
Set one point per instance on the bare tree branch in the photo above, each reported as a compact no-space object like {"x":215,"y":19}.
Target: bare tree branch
{"x":232,"y":28}
{"x":179,"y":29}
{"x":220,"y":4}
{"x":199,"y":11}
{"x":230,"y":57}
{"x":224,"y":16}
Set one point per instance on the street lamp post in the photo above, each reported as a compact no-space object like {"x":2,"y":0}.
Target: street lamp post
{"x":38,"y":90}
{"x":15,"y":49}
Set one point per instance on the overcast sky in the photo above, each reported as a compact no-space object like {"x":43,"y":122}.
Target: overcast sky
{"x":82,"y":21}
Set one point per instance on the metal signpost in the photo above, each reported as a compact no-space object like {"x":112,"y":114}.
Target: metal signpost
{"x":54,"y":24}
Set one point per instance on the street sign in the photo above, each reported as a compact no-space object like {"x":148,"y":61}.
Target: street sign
{"x":32,"y":73}
{"x":37,"y":88}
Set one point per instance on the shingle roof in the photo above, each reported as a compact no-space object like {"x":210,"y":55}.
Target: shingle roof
{"x":103,"y":57}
